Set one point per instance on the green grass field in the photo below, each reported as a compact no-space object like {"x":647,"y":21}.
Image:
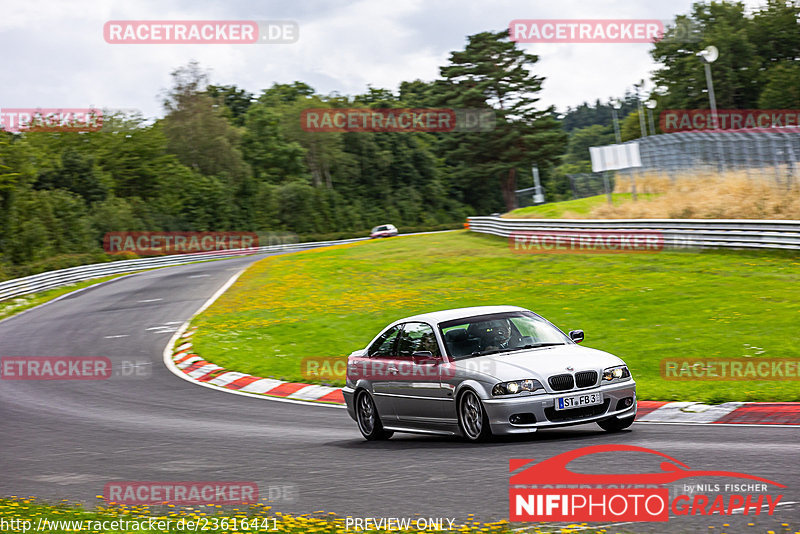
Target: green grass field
{"x":641,"y":307}
{"x":568,"y":208}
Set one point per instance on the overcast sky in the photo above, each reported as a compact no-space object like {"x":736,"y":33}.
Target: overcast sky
{"x":54,"y":54}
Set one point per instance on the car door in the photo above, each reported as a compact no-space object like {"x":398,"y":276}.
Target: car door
{"x":380,"y":358}
{"x":418,"y":394}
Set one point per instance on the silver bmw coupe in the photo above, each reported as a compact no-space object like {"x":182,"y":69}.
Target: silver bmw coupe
{"x":481,"y":371}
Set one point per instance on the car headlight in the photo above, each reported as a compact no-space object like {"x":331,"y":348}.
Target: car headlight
{"x":616,"y":374}
{"x":517,"y":386}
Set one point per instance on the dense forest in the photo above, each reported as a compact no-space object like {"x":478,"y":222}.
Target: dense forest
{"x":223,"y":158}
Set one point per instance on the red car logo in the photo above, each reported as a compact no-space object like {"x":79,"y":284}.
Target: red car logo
{"x":554,"y":470}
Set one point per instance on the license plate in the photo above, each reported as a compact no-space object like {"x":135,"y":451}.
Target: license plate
{"x":577,"y":401}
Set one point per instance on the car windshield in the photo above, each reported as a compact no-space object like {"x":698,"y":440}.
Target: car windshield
{"x":502,"y":332}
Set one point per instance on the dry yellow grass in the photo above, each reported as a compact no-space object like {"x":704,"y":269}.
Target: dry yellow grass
{"x":731,"y":195}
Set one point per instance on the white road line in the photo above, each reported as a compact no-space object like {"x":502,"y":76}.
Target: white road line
{"x":150,"y":300}
{"x":118,"y":335}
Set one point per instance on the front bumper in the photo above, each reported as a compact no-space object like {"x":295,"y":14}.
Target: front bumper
{"x":542,"y":409}
{"x":347,"y":393}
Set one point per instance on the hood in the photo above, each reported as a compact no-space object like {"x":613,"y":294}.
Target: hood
{"x":539,"y":363}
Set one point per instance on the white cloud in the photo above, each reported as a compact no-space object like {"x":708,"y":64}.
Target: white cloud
{"x":54,"y":54}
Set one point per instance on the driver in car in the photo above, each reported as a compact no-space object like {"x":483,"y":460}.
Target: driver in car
{"x":499,"y":335}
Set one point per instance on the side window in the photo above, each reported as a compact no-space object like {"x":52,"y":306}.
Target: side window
{"x":384,"y":345}
{"x":417,"y":337}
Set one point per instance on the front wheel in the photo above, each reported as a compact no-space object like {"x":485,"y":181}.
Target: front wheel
{"x":616,"y":424}
{"x":472,"y":418}
{"x":369,"y":422}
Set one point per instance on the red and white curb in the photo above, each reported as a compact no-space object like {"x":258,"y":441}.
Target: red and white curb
{"x":201,"y":371}
{"x":744,"y":413}
{"x":729,"y":413}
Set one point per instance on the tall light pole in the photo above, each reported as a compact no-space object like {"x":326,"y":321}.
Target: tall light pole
{"x":639,"y":108}
{"x":709,"y":55}
{"x":538,"y":194}
{"x":616,"y":105}
{"x":651,"y":105}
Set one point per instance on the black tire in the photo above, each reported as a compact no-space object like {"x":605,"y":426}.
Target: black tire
{"x":615,"y":424}
{"x":472,"y":418}
{"x":369,"y":422}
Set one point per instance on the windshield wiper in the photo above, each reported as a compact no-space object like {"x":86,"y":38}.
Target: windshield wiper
{"x":489,"y":351}
{"x":537,"y":345}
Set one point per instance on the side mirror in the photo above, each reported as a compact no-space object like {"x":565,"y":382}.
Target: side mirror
{"x":576,"y":335}
{"x":423,"y":356}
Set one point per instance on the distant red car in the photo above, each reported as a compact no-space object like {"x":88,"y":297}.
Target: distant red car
{"x":384,"y":230}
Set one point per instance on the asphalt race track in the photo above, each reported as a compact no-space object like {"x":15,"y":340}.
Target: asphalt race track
{"x":67,"y":439}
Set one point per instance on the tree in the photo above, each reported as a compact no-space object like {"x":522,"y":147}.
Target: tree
{"x":582,"y":139}
{"x":492,"y":73}
{"x":272,"y":157}
{"x":77,"y":174}
{"x":236,"y":101}
{"x":198,"y":132}
{"x":775,"y":32}
{"x":598,"y":113}
{"x":750,"y":49}
{"x":283,"y":93}
{"x":782,"y":88}
{"x":630,"y":128}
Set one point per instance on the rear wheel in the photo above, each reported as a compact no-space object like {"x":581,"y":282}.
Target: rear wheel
{"x":369,"y":422}
{"x":472,"y":418}
{"x":615,"y":424}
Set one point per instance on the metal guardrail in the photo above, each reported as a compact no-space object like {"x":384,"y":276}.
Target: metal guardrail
{"x":52,"y":279}
{"x":676,"y":233}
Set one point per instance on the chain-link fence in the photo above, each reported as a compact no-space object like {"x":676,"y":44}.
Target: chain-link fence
{"x":581,"y":185}
{"x":589,"y":184}
{"x":771,"y":154}
{"x":774,"y":153}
